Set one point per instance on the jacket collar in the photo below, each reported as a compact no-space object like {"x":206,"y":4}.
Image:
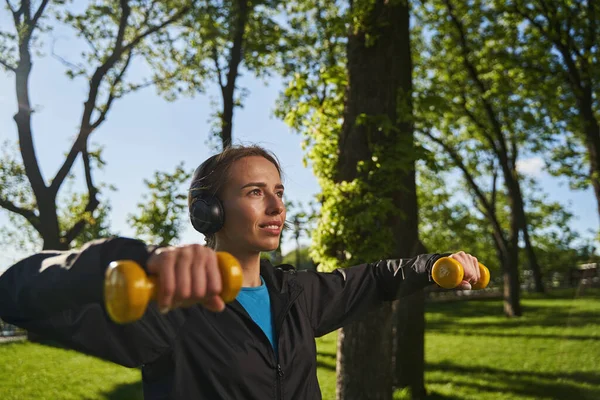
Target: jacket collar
{"x":283,"y":291}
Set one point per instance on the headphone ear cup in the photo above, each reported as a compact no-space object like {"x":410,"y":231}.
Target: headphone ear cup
{"x":207,"y":214}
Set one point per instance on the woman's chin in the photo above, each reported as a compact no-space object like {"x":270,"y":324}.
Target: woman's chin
{"x":267,"y":246}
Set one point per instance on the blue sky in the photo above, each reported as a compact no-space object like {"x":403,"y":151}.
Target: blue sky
{"x":144,"y":133}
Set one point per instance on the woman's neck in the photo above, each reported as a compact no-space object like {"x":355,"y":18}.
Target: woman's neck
{"x":250,"y":263}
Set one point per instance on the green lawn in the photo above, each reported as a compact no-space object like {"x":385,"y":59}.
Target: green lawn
{"x":473,"y":352}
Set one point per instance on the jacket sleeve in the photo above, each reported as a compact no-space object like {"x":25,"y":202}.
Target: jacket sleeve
{"x":335,"y":298}
{"x":59,"y":295}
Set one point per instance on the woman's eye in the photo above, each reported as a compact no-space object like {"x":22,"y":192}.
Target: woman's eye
{"x":256,"y":192}
{"x":280,"y":194}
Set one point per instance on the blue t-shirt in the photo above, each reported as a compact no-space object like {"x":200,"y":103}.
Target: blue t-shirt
{"x":258,"y":305}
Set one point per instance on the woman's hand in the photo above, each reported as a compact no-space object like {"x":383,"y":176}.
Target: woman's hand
{"x":187,"y":275}
{"x":471,"y":268}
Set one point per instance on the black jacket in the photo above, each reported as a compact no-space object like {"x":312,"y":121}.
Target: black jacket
{"x":193,"y":353}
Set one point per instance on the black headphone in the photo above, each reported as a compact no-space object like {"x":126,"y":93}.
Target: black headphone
{"x":206,"y":209}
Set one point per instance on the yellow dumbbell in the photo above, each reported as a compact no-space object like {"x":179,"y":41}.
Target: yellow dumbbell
{"x":448,"y":273}
{"x":128,"y":290}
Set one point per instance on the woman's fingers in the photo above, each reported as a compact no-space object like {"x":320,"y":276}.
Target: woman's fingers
{"x":187,"y":275}
{"x":470,"y":265}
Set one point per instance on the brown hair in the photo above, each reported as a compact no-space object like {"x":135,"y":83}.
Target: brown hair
{"x":212,"y":174}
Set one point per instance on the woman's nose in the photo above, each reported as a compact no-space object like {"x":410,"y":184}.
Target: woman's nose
{"x":276,"y":206}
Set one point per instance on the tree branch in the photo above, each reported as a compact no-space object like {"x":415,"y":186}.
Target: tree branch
{"x":494,"y":187}
{"x":590,"y":38}
{"x":111,"y":95}
{"x":6,"y":65}
{"x":466,"y":51}
{"x":156,"y":28}
{"x":215,"y":57}
{"x":38,"y":13}
{"x":86,"y":127}
{"x":459,"y":163}
{"x":479,"y":124}
{"x":10,"y":7}
{"x":92,"y":203}
{"x":27,"y":214}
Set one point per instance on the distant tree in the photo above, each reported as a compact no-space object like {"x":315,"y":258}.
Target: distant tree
{"x":162,"y":212}
{"x":115,"y":32}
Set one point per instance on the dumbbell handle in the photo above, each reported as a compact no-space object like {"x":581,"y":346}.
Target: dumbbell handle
{"x":448,"y":273}
{"x":128,"y":290}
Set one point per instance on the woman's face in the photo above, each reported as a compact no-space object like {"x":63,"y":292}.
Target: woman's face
{"x":254,"y":208}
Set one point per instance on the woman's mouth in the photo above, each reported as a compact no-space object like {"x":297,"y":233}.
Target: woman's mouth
{"x":272,"y":229}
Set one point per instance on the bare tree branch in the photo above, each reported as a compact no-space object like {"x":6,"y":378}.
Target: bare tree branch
{"x":63,"y":61}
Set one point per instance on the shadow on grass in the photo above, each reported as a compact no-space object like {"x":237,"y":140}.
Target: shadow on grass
{"x":328,"y":360}
{"x":560,"y":386}
{"x":443,"y":316}
{"x":124,"y":391}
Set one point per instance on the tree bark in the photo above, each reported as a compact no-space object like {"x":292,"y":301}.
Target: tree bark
{"x":592,"y":142}
{"x":533,"y":264}
{"x":363,"y":357}
{"x":380,"y":85}
{"x":235,"y":58}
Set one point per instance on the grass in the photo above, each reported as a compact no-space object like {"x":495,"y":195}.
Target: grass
{"x":552,"y":352}
{"x":35,"y":371}
{"x":472,"y":351}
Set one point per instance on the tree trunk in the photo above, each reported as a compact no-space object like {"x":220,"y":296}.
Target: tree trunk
{"x":519,"y":210}
{"x":409,"y":344}
{"x":512,"y":298}
{"x":380,"y":86}
{"x":50,"y":231}
{"x":533,"y":264}
{"x":235,"y":58}
{"x":363,"y":362}
{"x":409,"y":321}
{"x":592,"y":142}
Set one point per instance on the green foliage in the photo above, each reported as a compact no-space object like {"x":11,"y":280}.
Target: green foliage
{"x":71,"y":204}
{"x":98,"y":24}
{"x":97,"y":224}
{"x":14,"y":185}
{"x":556,"y":53}
{"x":449,"y":223}
{"x":115,"y":31}
{"x":313,"y":105}
{"x":159,"y":218}
{"x":557,"y":246}
{"x":199,"y":51}
{"x":305,"y":260}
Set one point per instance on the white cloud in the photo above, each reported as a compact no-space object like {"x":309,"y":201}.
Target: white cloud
{"x":531,"y":166}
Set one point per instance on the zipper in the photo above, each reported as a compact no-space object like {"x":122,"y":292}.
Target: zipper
{"x":280,"y":376}
{"x":278,"y":328}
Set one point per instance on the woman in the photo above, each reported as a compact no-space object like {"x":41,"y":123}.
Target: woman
{"x":260,"y":346}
